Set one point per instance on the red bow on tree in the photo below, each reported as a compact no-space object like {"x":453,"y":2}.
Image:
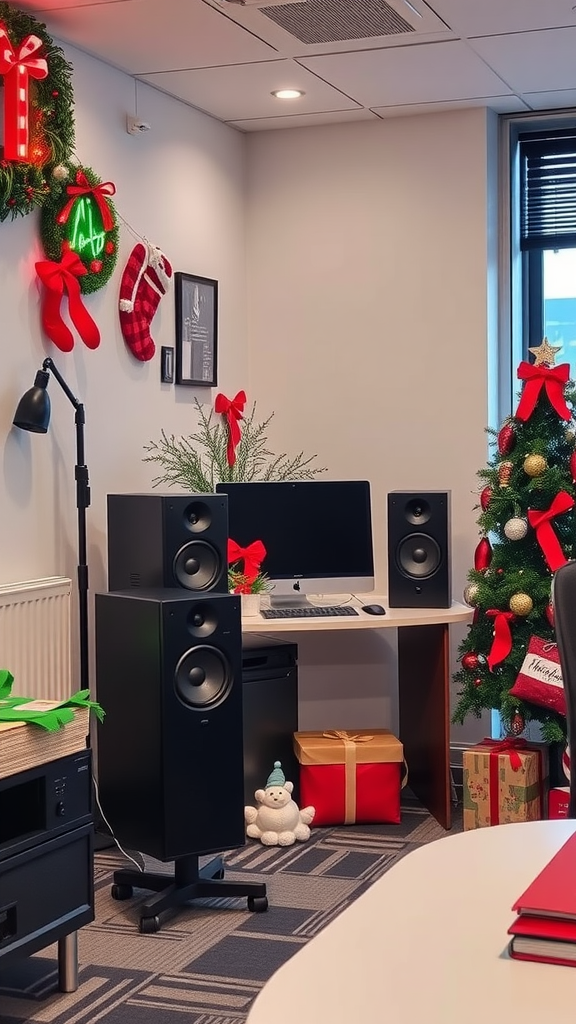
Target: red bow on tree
{"x":232,"y":409}
{"x":98,"y":193}
{"x":547,"y":539}
{"x":502,"y":643}
{"x":252,"y":556}
{"x":58,"y":278}
{"x":552,"y":379}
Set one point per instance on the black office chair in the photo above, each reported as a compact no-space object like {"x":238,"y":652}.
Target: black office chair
{"x":564,"y":600}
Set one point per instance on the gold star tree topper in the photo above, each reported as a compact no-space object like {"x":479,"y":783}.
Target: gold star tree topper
{"x":545,"y":354}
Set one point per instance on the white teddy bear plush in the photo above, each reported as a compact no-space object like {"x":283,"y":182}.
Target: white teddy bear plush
{"x":277,"y":821}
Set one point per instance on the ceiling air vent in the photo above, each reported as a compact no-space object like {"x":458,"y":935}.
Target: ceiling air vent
{"x":331,"y":21}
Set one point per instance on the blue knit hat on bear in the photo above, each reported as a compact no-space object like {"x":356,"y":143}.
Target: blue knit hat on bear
{"x":276,"y":777}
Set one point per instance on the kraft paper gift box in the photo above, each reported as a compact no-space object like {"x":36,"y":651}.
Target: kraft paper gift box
{"x":350,"y":776}
{"x":504,"y":781}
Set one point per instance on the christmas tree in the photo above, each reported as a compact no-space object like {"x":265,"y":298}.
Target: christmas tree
{"x":527,"y":522}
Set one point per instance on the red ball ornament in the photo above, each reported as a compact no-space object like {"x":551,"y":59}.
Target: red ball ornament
{"x":573,"y":466}
{"x":483,"y":555}
{"x":485,"y":497}
{"x":96,"y":266}
{"x":477,"y":682}
{"x":470,"y":661}
{"x":549,"y":613}
{"x":109,"y":247}
{"x":55,"y":93}
{"x":517,"y":724}
{"x":506,"y":439}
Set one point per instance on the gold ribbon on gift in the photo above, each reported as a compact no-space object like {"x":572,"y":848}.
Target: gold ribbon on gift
{"x":350,"y":740}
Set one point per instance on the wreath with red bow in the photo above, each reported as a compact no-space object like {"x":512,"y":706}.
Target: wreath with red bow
{"x":79,"y":216}
{"x":38,"y":95}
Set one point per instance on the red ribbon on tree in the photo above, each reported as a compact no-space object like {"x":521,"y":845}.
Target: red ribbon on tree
{"x":552,"y":379}
{"x":232,"y":409}
{"x":58,"y":278}
{"x":17,"y":67}
{"x":502,"y":643}
{"x":252,"y":556}
{"x":98,"y":193}
{"x":547,"y":539}
{"x":509,"y":745}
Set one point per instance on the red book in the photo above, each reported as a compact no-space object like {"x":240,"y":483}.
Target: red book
{"x":552,"y":894}
{"x":545,"y":939}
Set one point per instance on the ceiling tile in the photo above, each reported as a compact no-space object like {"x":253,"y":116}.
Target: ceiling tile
{"x":256,"y":124}
{"x":551,"y":100}
{"x":489,"y":17}
{"x":409,"y":74}
{"x":142,"y":35}
{"x":244,"y":90}
{"x":501,"y":104}
{"x":532,"y":61}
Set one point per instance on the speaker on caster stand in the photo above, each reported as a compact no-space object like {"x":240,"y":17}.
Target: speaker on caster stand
{"x":419,"y":574}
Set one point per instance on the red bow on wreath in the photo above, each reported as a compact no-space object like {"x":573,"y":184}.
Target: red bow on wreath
{"x":98,"y":193}
{"x":58,"y":278}
{"x":252,"y":556}
{"x":232,"y":409}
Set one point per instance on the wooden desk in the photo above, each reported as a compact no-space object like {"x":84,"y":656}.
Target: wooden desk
{"x":423,"y":684}
{"x":428,"y":942}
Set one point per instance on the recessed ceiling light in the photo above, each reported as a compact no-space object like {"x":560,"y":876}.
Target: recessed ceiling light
{"x":288,"y":94}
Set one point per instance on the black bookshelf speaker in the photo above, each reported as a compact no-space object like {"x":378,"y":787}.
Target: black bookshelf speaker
{"x":161,"y":540}
{"x":170,"y":748}
{"x":419,"y":573}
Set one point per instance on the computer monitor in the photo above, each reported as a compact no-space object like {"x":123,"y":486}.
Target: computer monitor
{"x":317,"y":534}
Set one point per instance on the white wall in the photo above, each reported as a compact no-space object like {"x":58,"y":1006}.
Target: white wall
{"x":368,"y":326}
{"x":183,"y":186}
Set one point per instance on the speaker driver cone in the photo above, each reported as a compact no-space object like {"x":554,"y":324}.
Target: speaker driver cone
{"x":203,"y":678}
{"x":197,"y":565}
{"x":418,"y":556}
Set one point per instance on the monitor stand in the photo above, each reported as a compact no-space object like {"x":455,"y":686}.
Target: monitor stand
{"x":290,"y":601}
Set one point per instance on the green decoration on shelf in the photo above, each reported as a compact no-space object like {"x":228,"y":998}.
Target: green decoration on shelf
{"x":55,"y":715}
{"x":26,"y":184}
{"x":200,"y":461}
{"x":80,"y":216}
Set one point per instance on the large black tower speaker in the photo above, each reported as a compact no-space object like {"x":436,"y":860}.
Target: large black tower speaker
{"x":160,"y":540}
{"x":419,"y":573}
{"x":170,"y":748}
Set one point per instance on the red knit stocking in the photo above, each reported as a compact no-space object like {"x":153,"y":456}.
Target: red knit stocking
{"x":145,"y":280}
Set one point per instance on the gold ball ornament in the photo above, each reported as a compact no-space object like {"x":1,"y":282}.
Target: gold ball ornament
{"x":516,"y":528}
{"x":570,"y":435}
{"x":521,"y":604}
{"x":535,"y":465}
{"x":60,"y":172}
{"x":471,"y":594}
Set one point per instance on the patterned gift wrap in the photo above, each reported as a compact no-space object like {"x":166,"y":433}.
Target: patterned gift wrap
{"x":504,"y":781}
{"x":350,"y":777}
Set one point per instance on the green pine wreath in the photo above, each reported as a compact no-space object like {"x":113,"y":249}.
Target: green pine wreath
{"x":24,"y":186}
{"x":57,"y":237}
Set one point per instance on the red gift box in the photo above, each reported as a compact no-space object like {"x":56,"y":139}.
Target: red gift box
{"x":350,"y":777}
{"x":558,"y":800}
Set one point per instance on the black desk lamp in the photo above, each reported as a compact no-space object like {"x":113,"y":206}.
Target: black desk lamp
{"x":33,"y":413}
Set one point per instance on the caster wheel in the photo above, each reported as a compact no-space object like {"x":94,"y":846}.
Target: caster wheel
{"x":149,"y":925}
{"x":121,"y":892}
{"x":258,"y":904}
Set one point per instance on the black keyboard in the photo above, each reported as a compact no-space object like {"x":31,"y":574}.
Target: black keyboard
{"x":312,"y":611}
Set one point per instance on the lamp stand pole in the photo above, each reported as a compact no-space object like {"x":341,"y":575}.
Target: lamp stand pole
{"x":82,"y":503}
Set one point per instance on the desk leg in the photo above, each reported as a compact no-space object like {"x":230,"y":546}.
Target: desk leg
{"x":68,"y":962}
{"x":423,"y":682}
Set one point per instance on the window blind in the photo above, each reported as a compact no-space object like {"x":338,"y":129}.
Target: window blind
{"x":548,"y":190}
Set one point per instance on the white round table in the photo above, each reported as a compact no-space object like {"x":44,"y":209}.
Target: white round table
{"x":427,"y":943}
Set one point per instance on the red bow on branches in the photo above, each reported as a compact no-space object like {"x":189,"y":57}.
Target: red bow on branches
{"x":58,"y":278}
{"x":232,"y":409}
{"x":17,"y":67}
{"x":552,"y":379}
{"x":98,"y":193}
{"x":547,"y":539}
{"x":252,"y":556}
{"x":502,"y":643}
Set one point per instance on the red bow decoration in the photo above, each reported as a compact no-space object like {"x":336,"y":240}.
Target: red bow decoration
{"x":509,"y":745}
{"x":502,"y":643}
{"x":18,"y":66}
{"x":98,"y":193}
{"x":58,"y":278}
{"x":252,"y":556}
{"x":552,"y":379}
{"x":547,"y":539}
{"x":232,"y":409}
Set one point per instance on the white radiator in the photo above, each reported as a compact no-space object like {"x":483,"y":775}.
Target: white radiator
{"x":35,"y":636}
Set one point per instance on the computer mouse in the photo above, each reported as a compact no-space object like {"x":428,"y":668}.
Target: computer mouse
{"x":374,"y":609}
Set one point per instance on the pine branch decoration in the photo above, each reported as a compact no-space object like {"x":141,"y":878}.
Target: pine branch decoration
{"x":198,"y":462}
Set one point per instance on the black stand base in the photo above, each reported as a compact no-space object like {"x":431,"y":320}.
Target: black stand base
{"x":188,"y":882}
